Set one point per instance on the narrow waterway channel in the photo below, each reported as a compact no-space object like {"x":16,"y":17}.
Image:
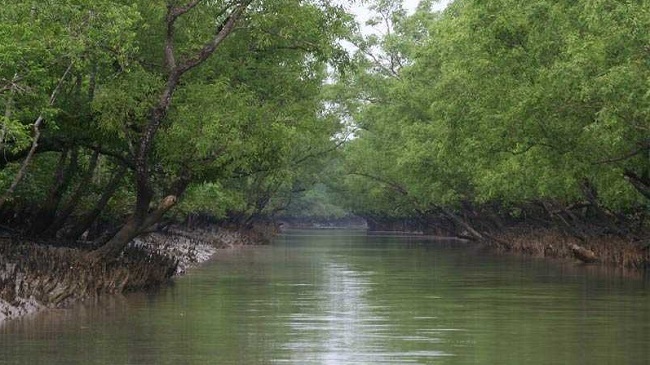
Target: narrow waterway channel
{"x":342,"y":297}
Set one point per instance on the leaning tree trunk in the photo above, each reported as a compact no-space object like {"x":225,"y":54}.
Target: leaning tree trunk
{"x":76,"y":195}
{"x":640,"y":183}
{"x":473,"y":233}
{"x":141,"y":217}
{"x":62,"y":177}
{"x":138,"y":224}
{"x":84,"y":223}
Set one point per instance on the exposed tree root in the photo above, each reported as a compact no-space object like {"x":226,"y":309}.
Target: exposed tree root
{"x":35,"y":276}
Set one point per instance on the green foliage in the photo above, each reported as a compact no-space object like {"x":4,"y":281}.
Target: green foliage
{"x":501,"y":101}
{"x":211,"y":198}
{"x":122,"y":104}
{"x":316,"y":203}
{"x":247,"y":126}
{"x":15,"y":135}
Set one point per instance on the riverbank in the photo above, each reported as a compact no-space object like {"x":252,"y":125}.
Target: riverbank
{"x":607,"y":250}
{"x":625,"y":251}
{"x":35,"y":277}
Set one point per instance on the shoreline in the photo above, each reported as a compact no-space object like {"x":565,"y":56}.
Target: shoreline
{"x":605,"y":250}
{"x":36,"y":277}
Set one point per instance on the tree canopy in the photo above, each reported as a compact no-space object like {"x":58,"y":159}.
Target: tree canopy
{"x":117,"y":108}
{"x":119,"y":114}
{"x":501,"y":106}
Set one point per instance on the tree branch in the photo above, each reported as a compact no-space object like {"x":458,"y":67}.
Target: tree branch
{"x":174,"y":12}
{"x":322,"y":152}
{"x":641,"y":184}
{"x":37,"y":134}
{"x":400,"y":189}
{"x":643,"y":147}
{"x":223,"y":30}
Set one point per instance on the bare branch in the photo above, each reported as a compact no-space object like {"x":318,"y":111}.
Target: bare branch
{"x":58,"y":85}
{"x":388,"y":70}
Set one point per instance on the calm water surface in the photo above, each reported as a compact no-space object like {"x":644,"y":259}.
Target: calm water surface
{"x":341,"y":297}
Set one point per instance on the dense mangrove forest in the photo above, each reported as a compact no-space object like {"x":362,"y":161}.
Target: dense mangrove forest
{"x":523,"y":124}
{"x":130,"y":129}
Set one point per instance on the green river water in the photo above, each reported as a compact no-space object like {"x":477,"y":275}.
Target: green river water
{"x":342,"y":297}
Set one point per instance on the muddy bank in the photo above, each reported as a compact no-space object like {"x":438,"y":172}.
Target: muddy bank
{"x":609,"y":250}
{"x":34,"y":277}
{"x":585,"y":241}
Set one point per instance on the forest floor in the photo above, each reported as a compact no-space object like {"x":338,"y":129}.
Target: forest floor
{"x":36,"y":276}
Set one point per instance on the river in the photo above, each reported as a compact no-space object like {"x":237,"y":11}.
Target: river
{"x":343,"y":297}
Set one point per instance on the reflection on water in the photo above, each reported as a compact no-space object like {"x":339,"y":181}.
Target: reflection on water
{"x":335,"y":297}
{"x":340,"y":325}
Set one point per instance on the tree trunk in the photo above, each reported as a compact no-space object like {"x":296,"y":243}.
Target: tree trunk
{"x":640,"y":183}
{"x":133,"y":229}
{"x":118,"y":242}
{"x":87,"y":220}
{"x":72,"y":202}
{"x":141,"y":218}
{"x":456,"y":219}
{"x":140,"y":223}
{"x":23,"y":167}
{"x":590,"y":193}
{"x":62,"y":177}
